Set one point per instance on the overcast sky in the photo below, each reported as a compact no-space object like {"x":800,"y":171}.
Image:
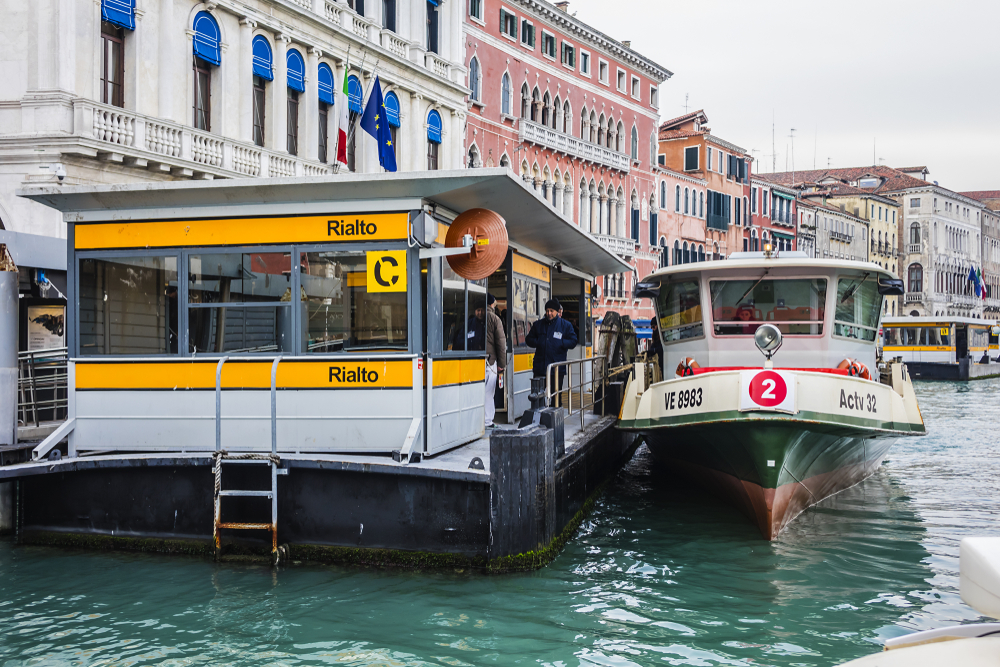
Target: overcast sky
{"x":919,"y":79}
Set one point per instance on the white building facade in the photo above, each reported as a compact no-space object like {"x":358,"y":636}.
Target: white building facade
{"x":116,"y":91}
{"x":942,"y":240}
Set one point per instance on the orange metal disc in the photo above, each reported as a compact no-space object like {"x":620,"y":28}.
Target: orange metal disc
{"x":489,"y":230}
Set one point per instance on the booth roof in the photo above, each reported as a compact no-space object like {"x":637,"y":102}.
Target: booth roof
{"x":531,"y":221}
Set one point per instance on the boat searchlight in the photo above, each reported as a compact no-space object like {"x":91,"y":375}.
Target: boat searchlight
{"x":768,"y":340}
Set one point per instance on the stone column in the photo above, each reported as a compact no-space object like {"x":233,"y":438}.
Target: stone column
{"x":595,"y":214}
{"x":458,"y":140}
{"x":417,"y":132}
{"x":613,"y":216}
{"x":279,"y":96}
{"x":169,"y":60}
{"x":606,"y":227}
{"x":245,"y":78}
{"x":568,"y":201}
{"x":310,"y":107}
{"x":66,"y":47}
{"x":559,"y":197}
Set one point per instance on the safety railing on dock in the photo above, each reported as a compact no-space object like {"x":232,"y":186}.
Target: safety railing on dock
{"x":582,"y":385}
{"x":41,"y":386}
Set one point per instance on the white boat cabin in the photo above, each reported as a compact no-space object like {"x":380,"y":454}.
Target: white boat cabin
{"x":826,"y":310}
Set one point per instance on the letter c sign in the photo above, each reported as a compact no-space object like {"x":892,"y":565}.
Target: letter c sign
{"x":386,"y":271}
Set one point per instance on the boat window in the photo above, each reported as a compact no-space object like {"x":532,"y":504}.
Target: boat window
{"x":338,"y":313}
{"x":679,"y":308}
{"x":932,"y":336}
{"x":463,"y":316}
{"x":797,"y":306}
{"x":858,"y":308}
{"x":128,"y":305}
{"x":528,"y":306}
{"x":239,"y":302}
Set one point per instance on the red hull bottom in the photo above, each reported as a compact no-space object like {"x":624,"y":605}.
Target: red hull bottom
{"x":774,"y":508}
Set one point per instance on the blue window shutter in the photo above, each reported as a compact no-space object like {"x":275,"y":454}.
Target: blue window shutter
{"x":119,"y":12}
{"x":354,"y":94}
{"x":635,"y":225}
{"x":262,"y":65}
{"x":433,"y":2}
{"x":434,"y":127}
{"x":391,"y":109}
{"x":296,"y":70}
{"x":207,"y":38}
{"x":325,"y":83}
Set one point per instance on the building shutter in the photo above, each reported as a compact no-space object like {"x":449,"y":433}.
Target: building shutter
{"x":296,"y":70}
{"x":391,"y":103}
{"x":354,"y":94}
{"x":262,"y":66}
{"x":325,"y":77}
{"x":119,"y":12}
{"x":434,"y":127}
{"x":653,"y":231}
{"x":635,"y":225}
{"x":206,"y":39}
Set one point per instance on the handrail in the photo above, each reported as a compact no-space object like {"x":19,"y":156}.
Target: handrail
{"x":218,"y":404}
{"x":598,"y":374}
{"x":274,"y":405}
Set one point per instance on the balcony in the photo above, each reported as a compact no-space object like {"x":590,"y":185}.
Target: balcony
{"x":964,"y":300}
{"x":914,"y":297}
{"x":578,"y":148}
{"x":117,"y":135}
{"x":619,"y":246}
{"x":913,"y":248}
{"x":841,"y":236}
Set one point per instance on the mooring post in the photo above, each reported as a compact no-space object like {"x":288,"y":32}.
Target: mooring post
{"x":522,"y":491}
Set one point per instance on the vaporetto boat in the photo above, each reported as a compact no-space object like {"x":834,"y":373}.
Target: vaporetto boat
{"x":815,"y":415}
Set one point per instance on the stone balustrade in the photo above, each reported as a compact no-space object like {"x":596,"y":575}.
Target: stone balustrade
{"x":619,"y":246}
{"x":142,"y":140}
{"x":570,"y":145}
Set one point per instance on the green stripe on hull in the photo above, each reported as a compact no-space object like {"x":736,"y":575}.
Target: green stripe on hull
{"x":757,"y":418}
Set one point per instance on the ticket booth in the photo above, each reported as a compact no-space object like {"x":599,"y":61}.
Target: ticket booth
{"x":193,"y":304}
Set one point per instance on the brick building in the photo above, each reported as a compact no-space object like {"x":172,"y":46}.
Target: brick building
{"x":574,"y":112}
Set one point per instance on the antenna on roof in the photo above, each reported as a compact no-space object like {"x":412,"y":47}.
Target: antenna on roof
{"x":686,"y":102}
{"x":791,"y":136}
{"x":815,"y":142}
{"x":774,"y":152}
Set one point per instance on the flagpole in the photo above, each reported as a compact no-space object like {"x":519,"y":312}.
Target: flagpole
{"x":347,"y":73}
{"x":350,"y":133}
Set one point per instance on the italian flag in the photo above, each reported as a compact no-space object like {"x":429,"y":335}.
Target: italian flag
{"x":344,"y":123}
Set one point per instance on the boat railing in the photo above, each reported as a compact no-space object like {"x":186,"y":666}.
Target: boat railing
{"x":577,"y":385}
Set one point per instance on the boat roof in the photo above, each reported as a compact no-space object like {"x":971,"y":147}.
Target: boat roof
{"x":532,"y":222}
{"x":758,"y":260}
{"x":928,"y":319}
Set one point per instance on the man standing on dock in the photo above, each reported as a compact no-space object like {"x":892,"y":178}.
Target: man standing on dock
{"x":551,"y":337}
{"x":496,"y":354}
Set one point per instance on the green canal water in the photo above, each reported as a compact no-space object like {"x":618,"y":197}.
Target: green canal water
{"x":658,"y":575}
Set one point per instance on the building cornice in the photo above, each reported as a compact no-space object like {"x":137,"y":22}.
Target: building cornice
{"x":612,"y":46}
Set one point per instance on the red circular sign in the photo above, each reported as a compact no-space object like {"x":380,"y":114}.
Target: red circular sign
{"x":767,"y":389}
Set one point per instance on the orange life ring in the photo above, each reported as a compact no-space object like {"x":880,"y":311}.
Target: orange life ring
{"x":686,"y":367}
{"x":855,"y":369}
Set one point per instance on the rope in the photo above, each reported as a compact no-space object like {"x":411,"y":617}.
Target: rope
{"x":249,"y":456}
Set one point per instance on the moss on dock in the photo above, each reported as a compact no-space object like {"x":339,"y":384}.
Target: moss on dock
{"x":331,"y":555}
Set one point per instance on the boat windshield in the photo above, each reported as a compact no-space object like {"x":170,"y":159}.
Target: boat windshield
{"x":796,"y":305}
{"x":859,"y":306}
{"x":679,"y":308}
{"x":926,"y":336}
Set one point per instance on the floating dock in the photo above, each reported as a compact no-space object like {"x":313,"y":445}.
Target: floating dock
{"x":289,"y":368}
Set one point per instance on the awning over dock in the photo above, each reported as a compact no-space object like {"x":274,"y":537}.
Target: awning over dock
{"x":532,"y":222}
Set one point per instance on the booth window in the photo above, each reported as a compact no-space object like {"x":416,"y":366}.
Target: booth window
{"x":463,"y":315}
{"x":128,"y":305}
{"x":528,"y":306}
{"x":239,"y":302}
{"x":339,"y":314}
{"x":859,"y":306}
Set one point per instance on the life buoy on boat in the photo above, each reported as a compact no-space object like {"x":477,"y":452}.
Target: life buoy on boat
{"x":686,"y":367}
{"x":855,"y":369}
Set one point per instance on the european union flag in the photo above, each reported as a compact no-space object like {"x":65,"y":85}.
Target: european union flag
{"x":374,"y":122}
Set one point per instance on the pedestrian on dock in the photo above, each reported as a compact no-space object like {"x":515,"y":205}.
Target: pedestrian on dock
{"x":496,"y":355}
{"x":656,"y":343}
{"x":551,"y":337}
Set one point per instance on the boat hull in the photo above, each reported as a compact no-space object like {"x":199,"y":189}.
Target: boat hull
{"x":774,"y":470}
{"x":774,"y":452}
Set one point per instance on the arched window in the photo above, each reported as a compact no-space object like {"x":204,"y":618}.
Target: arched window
{"x":677,"y":198}
{"x":505,"y":161}
{"x":474,"y":157}
{"x":635,"y":143}
{"x":916,"y":278}
{"x":583,"y":123}
{"x":652,"y":149}
{"x":505,"y":93}
{"x":620,"y":138}
{"x":536,"y":99}
{"x":546,"y":110}
{"x":915,"y":233}
{"x":354,"y":94}
{"x":601,"y":129}
{"x":474,"y":79}
{"x":678,"y":258}
{"x":525,"y":102}
{"x":687,"y":254}
{"x":433,"y":139}
{"x":593,"y":127}
{"x":119,"y":12}
{"x":391,"y":104}
{"x":687,"y":198}
{"x":663,"y":195}
{"x":207,"y":38}
{"x":262,"y":65}
{"x":567,"y":126}
{"x":701,"y":204}
{"x":324,"y":76}
{"x":296,"y":70}
{"x":701,"y":253}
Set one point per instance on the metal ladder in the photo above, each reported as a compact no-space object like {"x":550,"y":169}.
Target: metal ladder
{"x":222,"y":457}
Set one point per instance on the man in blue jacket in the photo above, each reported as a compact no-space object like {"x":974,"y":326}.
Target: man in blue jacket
{"x":551,"y":336}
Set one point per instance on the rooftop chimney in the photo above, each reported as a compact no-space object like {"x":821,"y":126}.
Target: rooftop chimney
{"x":627,"y":44}
{"x":563,"y":6}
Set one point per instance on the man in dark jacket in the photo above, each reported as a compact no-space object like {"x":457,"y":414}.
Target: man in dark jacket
{"x":551,"y":337}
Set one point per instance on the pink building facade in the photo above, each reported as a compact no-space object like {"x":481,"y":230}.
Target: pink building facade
{"x":575,"y":113}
